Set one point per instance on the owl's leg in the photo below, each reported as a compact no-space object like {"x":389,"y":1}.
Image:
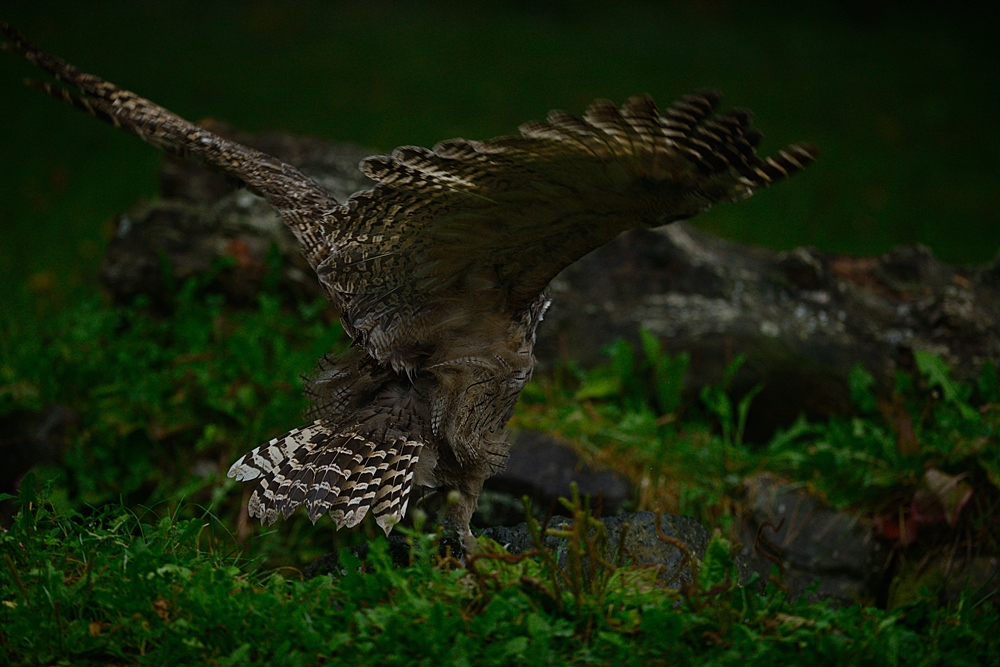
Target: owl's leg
{"x":458,"y":510}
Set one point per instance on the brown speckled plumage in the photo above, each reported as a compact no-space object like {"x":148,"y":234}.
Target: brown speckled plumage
{"x":440,"y":274}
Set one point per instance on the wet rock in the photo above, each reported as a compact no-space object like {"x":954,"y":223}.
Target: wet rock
{"x":29,"y":438}
{"x":497,"y":508}
{"x":203,"y":225}
{"x":544,"y":469}
{"x":642,"y":546}
{"x":979,"y":576}
{"x":948,"y":576}
{"x":399,"y":553}
{"x":810,"y":541}
{"x":803,"y":318}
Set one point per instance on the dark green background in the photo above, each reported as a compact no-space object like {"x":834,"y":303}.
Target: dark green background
{"x":902,"y":100}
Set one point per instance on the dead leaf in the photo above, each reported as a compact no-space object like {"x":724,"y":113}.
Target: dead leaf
{"x":162,"y":608}
{"x":900,"y":527}
{"x":902,"y":424}
{"x":795,"y":622}
{"x":951,"y":491}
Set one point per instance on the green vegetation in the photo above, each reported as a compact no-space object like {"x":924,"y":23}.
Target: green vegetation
{"x":131,"y":547}
{"x":113,"y":589}
{"x":691,"y":464}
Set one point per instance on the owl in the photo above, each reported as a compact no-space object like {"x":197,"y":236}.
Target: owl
{"x":439,"y":273}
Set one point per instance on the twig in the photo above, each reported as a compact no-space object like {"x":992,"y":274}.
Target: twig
{"x":17,"y":580}
{"x":770,"y":550}
{"x":680,"y":546}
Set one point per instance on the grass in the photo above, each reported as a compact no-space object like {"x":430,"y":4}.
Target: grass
{"x":132,"y":547}
{"x":114,"y":588}
{"x":688,"y":458}
{"x":162,"y":406}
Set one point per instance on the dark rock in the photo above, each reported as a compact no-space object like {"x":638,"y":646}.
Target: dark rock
{"x":979,"y":575}
{"x":497,"y":508}
{"x":642,"y":545}
{"x":947,"y":575}
{"x":803,"y":268}
{"x":325,"y":564}
{"x":810,"y":540}
{"x":203,"y":224}
{"x":543,"y":469}
{"x":28,"y":438}
{"x":803,"y":318}
{"x":399,"y":552}
{"x":990,"y":274}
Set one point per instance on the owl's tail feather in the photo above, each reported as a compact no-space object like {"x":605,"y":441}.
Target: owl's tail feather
{"x":347,"y":472}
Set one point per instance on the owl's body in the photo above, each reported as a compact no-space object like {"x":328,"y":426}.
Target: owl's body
{"x":437,"y":424}
{"x":440,"y":274}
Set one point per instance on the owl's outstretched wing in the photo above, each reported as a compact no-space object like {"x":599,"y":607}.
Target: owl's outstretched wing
{"x":302,"y":204}
{"x":469,"y":229}
{"x":438,"y":270}
{"x":473,"y":228}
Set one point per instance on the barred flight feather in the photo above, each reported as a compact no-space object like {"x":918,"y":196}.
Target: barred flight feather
{"x":343,"y":472}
